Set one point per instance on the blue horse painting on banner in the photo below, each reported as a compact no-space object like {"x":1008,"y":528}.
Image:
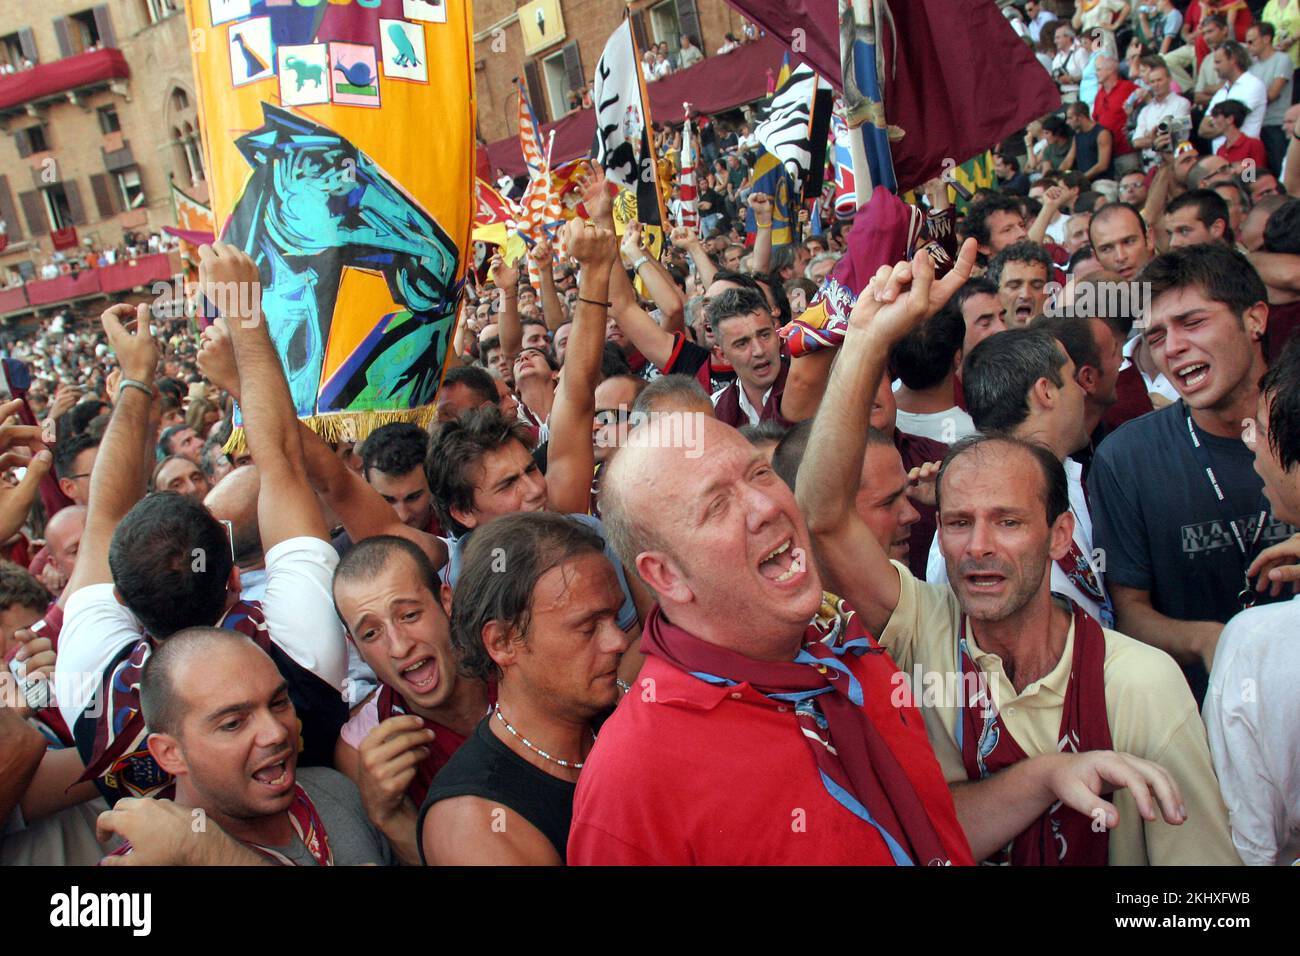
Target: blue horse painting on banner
{"x":314,"y":206}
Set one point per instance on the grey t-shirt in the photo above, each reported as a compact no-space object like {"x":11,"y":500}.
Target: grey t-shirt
{"x":1276,"y":67}
{"x":353,"y":839}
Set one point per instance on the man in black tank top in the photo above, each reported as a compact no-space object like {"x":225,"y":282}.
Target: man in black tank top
{"x":536,"y":607}
{"x":1093,"y":146}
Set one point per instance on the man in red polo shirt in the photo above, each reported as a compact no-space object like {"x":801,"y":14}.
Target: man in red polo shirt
{"x":1227,"y":117}
{"x":750,"y":735}
{"x":1108,"y":110}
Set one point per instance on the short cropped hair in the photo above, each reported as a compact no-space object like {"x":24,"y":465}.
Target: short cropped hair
{"x":394,"y":449}
{"x":1001,"y":370}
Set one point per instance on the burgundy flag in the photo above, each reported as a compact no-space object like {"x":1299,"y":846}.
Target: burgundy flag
{"x":957,"y":81}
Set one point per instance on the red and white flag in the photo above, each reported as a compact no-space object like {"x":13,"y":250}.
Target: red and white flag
{"x":688,"y":213}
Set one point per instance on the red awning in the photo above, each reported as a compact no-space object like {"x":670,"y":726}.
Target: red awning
{"x":717,"y":83}
{"x":58,"y":76}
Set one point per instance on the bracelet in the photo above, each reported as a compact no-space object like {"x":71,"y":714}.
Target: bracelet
{"x":607,"y":305}
{"x":134,"y":383}
{"x":636,"y":266}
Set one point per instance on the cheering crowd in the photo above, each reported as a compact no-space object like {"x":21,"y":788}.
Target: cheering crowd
{"x":960,"y":530}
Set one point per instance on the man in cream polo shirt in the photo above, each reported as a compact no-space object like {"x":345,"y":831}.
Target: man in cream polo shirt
{"x":1041,"y":708}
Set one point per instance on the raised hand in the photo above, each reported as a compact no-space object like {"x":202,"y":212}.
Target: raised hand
{"x":229,"y":279}
{"x":898,"y":299}
{"x":631,"y":245}
{"x":590,"y":244}
{"x":505,"y":276}
{"x":761,"y":203}
{"x":597,"y":199}
{"x":127,"y":328}
{"x":216,"y":357}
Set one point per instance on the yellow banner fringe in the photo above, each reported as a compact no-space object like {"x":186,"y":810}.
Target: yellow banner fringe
{"x":346,"y":426}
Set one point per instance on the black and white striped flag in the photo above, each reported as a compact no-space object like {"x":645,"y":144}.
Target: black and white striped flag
{"x":795,"y":128}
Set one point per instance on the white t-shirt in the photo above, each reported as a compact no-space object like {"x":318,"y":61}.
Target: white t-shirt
{"x":948,"y":426}
{"x":298,"y":609}
{"x":936,"y":570}
{"x":1248,"y":90}
{"x":1151,"y":115}
{"x":1252,"y":717}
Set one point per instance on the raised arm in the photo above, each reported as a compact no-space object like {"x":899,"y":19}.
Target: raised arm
{"x":121,"y":468}
{"x":553,"y":313}
{"x":1279,"y":270}
{"x":655,"y":343}
{"x":761,"y":203}
{"x":659,"y":284}
{"x":506,"y":279}
{"x":1052,"y":200}
{"x":362,"y":510}
{"x":229,"y":277}
{"x":894,"y":302}
{"x":571,"y":460}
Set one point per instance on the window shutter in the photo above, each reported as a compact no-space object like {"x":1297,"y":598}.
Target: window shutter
{"x":639,"y":36}
{"x":688,"y":21}
{"x":63,"y":37}
{"x":23,"y":143}
{"x":76,"y":211}
{"x":38,"y":224}
{"x":536,"y":92}
{"x":14,"y":229}
{"x":104,"y":24}
{"x":573,"y":66}
{"x":105,"y":197}
{"x":27,"y":40}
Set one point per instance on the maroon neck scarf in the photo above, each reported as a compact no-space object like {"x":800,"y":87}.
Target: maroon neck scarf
{"x":1060,"y":836}
{"x":857,"y":767}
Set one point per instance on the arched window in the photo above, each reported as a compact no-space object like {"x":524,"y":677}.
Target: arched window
{"x":179,"y":100}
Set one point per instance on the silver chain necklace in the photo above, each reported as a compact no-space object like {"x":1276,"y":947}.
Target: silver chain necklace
{"x":572,"y":764}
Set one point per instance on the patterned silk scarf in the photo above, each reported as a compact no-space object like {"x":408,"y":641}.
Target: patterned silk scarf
{"x":1060,"y":836}
{"x":1077,"y":568}
{"x":856,"y":765}
{"x":120,"y":753}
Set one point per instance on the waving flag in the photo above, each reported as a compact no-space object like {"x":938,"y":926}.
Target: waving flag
{"x":770,"y":177}
{"x":491,"y":207}
{"x":947,"y":67}
{"x":688,"y":213}
{"x":530,"y":135}
{"x":846,"y":194}
{"x":340,"y":156}
{"x":621,"y":119}
{"x":622,"y":142}
{"x":794,"y":128}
